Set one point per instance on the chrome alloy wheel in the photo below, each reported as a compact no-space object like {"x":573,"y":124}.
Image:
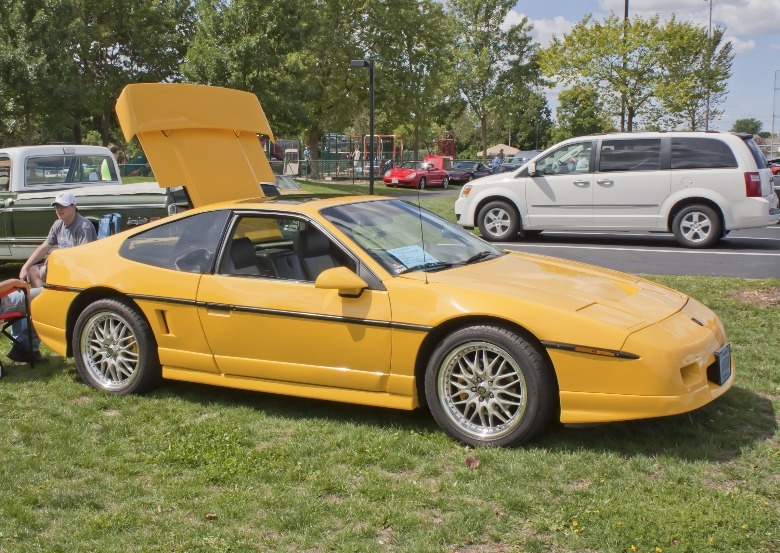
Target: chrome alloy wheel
{"x":109,"y":350}
{"x":696,"y":227}
{"x":482,"y":390}
{"x":497,"y":221}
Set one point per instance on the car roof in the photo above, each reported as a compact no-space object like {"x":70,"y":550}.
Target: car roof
{"x":203,"y":138}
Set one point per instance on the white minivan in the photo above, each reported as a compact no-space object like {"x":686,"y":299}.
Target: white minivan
{"x":697,"y":185}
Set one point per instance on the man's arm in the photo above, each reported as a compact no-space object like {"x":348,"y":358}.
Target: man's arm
{"x":38,"y":255}
{"x":13,"y":283}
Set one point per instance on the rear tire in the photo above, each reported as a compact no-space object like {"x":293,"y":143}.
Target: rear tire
{"x":498,"y":222}
{"x":445,"y":182}
{"x":114,"y":348}
{"x":421,"y":186}
{"x":697,"y":226}
{"x":485,"y":385}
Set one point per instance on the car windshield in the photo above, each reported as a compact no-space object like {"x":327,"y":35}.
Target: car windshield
{"x":464,"y":165}
{"x":414,"y":165}
{"x":287,"y":183}
{"x":403,"y":237}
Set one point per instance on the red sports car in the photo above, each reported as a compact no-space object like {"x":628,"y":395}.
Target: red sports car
{"x":417,"y":174}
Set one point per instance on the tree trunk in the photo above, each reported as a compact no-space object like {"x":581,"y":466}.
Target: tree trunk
{"x":416,"y":141}
{"x":105,"y":126}
{"x":483,"y":126}
{"x":312,"y":141}
{"x":77,"y":132}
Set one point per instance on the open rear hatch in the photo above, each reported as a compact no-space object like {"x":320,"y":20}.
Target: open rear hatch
{"x":203,"y":138}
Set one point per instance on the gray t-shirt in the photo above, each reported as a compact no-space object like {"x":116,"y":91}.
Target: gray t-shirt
{"x":80,"y":231}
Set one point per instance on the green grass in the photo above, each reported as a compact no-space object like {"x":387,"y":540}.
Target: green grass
{"x":194,"y":468}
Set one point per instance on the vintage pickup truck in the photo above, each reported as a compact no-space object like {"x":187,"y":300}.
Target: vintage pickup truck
{"x":31,"y":176}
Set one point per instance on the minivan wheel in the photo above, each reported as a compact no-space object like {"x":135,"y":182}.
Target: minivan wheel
{"x":498,"y":222}
{"x":697,"y":226}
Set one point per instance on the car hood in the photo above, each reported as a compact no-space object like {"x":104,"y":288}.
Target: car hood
{"x":203,"y":138}
{"x":619,"y":299}
{"x":403,"y":172}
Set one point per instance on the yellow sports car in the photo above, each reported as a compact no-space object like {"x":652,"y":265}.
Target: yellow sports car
{"x":374,"y":301}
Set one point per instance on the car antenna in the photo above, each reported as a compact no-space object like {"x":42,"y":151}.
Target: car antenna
{"x":422,"y":235}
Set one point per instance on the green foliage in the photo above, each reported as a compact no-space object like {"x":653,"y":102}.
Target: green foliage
{"x":580,"y":113}
{"x":749,"y":126}
{"x":482,"y":48}
{"x":657,"y":73}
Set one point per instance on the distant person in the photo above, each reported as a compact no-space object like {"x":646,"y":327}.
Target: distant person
{"x":501,"y":154}
{"x":495,"y":164}
{"x":307,"y":159}
{"x":105,"y":170}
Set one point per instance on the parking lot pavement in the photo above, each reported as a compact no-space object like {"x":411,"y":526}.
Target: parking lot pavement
{"x":753,"y":253}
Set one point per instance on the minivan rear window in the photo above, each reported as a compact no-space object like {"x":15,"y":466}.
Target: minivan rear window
{"x":756,"y":151}
{"x":701,"y":153}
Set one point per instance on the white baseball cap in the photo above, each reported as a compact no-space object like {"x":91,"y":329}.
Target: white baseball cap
{"x":64,"y":199}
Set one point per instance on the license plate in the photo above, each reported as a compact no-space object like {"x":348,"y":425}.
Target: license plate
{"x":395,"y":181}
{"x":722,"y":367}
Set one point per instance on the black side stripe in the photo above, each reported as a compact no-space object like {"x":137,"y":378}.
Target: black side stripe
{"x":590,"y":350}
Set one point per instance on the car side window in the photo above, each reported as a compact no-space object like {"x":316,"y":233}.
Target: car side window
{"x":5,"y":173}
{"x":636,"y":154}
{"x":701,"y":153}
{"x":571,"y":158}
{"x":187,"y":244}
{"x":66,"y":169}
{"x":287,"y":248}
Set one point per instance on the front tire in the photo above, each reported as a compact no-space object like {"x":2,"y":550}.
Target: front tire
{"x":697,"y":226}
{"x":485,"y":385}
{"x":498,"y":222}
{"x":114,"y":348}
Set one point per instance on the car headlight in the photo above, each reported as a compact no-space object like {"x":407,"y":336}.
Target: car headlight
{"x":387,"y":173}
{"x":411,"y":175}
{"x":465,"y":191}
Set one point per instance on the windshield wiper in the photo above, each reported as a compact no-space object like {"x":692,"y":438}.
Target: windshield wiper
{"x":477,"y":257}
{"x":431,"y":266}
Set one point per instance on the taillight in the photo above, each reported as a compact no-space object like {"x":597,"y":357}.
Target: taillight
{"x":753,"y":185}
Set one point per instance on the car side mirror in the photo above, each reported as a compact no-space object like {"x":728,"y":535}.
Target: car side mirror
{"x":342,"y":279}
{"x":532,"y":169}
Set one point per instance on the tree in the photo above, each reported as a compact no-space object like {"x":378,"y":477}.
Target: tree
{"x":116,"y":43}
{"x":749,"y":126}
{"x":411,"y":81}
{"x":252,"y":46}
{"x":655,"y":73}
{"x":580,"y":113}
{"x":34,"y":69}
{"x":482,"y":49}
{"x":616,"y":57}
{"x":693,"y":77}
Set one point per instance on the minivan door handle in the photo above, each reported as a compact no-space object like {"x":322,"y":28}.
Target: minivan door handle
{"x":605,"y":182}
{"x":582,"y":183}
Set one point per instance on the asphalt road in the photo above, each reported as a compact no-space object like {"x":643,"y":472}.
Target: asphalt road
{"x":753,"y":253}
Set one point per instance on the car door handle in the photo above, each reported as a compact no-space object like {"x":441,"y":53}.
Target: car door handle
{"x":605,"y":182}
{"x":582,"y":183}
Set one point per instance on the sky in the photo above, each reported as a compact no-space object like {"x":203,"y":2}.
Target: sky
{"x":753,"y":27}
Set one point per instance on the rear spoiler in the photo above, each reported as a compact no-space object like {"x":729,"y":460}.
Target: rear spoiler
{"x":200,"y":137}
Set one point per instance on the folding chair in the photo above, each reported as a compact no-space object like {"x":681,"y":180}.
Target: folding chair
{"x":9,"y":318}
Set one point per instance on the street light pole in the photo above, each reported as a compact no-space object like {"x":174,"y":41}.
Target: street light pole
{"x":623,"y":94}
{"x":370,"y":65}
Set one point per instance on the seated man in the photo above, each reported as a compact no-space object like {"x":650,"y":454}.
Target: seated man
{"x":15,"y":301}
{"x":70,"y":229}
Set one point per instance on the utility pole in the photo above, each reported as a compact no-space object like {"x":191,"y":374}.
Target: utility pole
{"x":623,"y":93}
{"x":709,"y":62}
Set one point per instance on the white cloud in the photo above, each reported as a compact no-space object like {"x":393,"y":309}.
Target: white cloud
{"x":741,"y":46}
{"x":544,"y":29}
